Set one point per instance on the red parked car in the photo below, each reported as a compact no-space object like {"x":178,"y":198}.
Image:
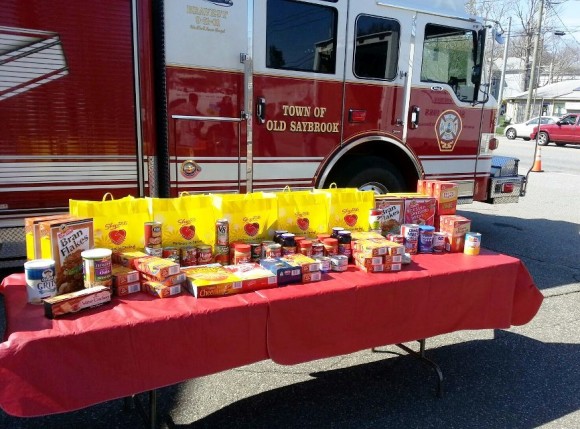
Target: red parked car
{"x":565,"y":131}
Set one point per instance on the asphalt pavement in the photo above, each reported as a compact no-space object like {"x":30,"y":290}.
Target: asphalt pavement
{"x":524,"y":377}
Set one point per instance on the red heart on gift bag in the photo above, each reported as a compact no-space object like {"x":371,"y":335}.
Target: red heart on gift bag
{"x":117,"y":236}
{"x":187,"y":231}
{"x":252,"y":228}
{"x":351,"y":219}
{"x":303,"y":223}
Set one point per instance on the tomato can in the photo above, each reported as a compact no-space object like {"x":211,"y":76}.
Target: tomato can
{"x":152,"y":234}
{"x":170,"y":253}
{"x":222,"y":232}
{"x":472,"y":243}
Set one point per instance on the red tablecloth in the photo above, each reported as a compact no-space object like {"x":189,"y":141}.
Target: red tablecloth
{"x":140,"y":343}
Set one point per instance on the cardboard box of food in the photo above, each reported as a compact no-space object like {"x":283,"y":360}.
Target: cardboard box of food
{"x":127,"y":289}
{"x":127,"y":259}
{"x":32,"y":233}
{"x":420,"y":210}
{"x":75,"y":301}
{"x":64,"y":240}
{"x":313,"y":276}
{"x":124,"y":275}
{"x":446,"y":194}
{"x":208,"y":280}
{"x":285,"y":272}
{"x":160,"y":290}
{"x":379,"y":268}
{"x":172,"y":280}
{"x":159,"y":268}
{"x":253,"y":276}
{"x":307,"y":264}
{"x":393,"y":211}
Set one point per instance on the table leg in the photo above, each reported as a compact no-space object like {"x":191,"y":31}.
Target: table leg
{"x":131,"y":403}
{"x":421,"y":356}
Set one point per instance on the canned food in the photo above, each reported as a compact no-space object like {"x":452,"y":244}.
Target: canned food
{"x":344,"y":243}
{"x":188,"y":256}
{"x":242,"y":253}
{"x":375,"y":220}
{"x":40,"y":280}
{"x":152,"y":234}
{"x":438,"y":242}
{"x":223,"y":255}
{"x":410,"y":233}
{"x":330,"y":246}
{"x":154,"y":251}
{"x":222,"y":232}
{"x":204,"y":254}
{"x":255,"y":252}
{"x":317,"y":249}
{"x":97,"y":267}
{"x":335,"y":231}
{"x":305,"y":247}
{"x":273,"y":250}
{"x":263,"y":248}
{"x":288,"y":244}
{"x":278,"y":235}
{"x":472,"y":243}
{"x":170,"y":253}
{"x":426,"y":238}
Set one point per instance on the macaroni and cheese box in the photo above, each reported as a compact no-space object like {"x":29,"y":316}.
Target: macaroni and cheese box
{"x":124,"y":275}
{"x":159,"y":268}
{"x":209,"y":280}
{"x":172,"y":280}
{"x":127,"y":289}
{"x":306,"y":263}
{"x":160,"y":290}
{"x":253,"y":276}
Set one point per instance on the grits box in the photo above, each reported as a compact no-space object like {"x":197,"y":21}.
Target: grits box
{"x":75,"y":301}
{"x":253,"y":276}
{"x":159,"y":290}
{"x":123,"y":275}
{"x":127,"y":289}
{"x":392,"y":217}
{"x":157,"y":267}
{"x":285,"y":273}
{"x":446,"y":194}
{"x":211,"y":280}
{"x":64,"y":240}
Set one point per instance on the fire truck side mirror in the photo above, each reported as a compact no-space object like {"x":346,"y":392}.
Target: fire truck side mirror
{"x":414,"y":122}
{"x":261,"y":109}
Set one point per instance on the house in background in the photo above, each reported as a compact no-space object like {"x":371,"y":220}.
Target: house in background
{"x":555,"y":99}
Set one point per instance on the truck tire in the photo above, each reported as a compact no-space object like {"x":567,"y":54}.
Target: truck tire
{"x":372,"y":173}
{"x":543,"y":138}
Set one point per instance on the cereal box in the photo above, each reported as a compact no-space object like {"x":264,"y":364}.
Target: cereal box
{"x":253,"y":276}
{"x":32,"y":233}
{"x":455,"y":227}
{"x":211,"y":280}
{"x":393,"y":213}
{"x":157,"y":267}
{"x":64,"y":240}
{"x":420,"y":211}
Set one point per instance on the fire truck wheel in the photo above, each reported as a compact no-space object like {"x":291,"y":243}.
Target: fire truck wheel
{"x":373,"y":174}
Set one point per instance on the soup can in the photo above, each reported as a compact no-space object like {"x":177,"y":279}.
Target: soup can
{"x":188,"y":256}
{"x":204,"y":254}
{"x":40,"y":280}
{"x":410,"y":233}
{"x":472,"y":243}
{"x":438,"y":242}
{"x":152,"y":234}
{"x":97,"y":267}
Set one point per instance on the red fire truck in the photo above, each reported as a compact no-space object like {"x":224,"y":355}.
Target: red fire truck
{"x":153,"y":97}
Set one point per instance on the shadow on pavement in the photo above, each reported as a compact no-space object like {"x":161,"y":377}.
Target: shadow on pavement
{"x":512,"y":381}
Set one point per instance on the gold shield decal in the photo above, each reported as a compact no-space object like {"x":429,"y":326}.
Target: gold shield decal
{"x":448,"y":128}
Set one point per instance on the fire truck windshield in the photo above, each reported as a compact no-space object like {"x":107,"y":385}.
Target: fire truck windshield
{"x":449,"y":57}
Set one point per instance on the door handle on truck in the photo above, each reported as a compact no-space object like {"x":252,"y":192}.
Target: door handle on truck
{"x":261,"y":109}
{"x":415,"y":110}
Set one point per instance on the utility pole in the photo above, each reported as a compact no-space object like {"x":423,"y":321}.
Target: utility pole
{"x":503,"y":68}
{"x":534,"y":62}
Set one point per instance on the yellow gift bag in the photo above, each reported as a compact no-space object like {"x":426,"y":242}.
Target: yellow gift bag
{"x":252,"y":217}
{"x":349,"y":207}
{"x":117,"y":224}
{"x":188,"y":220}
{"x":303,"y":212}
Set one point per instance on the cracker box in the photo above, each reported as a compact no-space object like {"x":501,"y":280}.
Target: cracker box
{"x":286,"y":273}
{"x":253,"y":276}
{"x":306,"y":263}
{"x":127,"y":289}
{"x":124,"y":275}
{"x":32,"y":233}
{"x":393,"y":213}
{"x":160,"y":290}
{"x":157,"y":267}
{"x":446,"y":194}
{"x":75,"y":301}
{"x":420,"y":211}
{"x":211,"y":280}
{"x":63,"y":240}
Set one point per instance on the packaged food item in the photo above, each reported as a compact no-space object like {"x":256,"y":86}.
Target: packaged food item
{"x":152,"y":233}
{"x":204,"y":254}
{"x":127,"y":289}
{"x":222,"y":232}
{"x":253,"y":276}
{"x":392,"y":217}
{"x":157,"y":267}
{"x":188,"y":256}
{"x":127,"y":259}
{"x":306,"y":264}
{"x":472,"y":243}
{"x":455,"y":227}
{"x":160,"y":290}
{"x":314,"y":276}
{"x":410,"y":233}
{"x":286,"y":273}
{"x":124,"y":275}
{"x":426,"y":238}
{"x":64,"y":240}
{"x":97,"y":267}
{"x":420,"y":211}
{"x":324,"y":262}
{"x":75,"y":301}
{"x":438,"y":242}
{"x":172,"y":280}
{"x":39,"y":275}
{"x":32,"y":233}
{"x":242,"y":253}
{"x":446,"y":194}
{"x":208,"y":280}
{"x":379,"y":268}
{"x":330,"y":246}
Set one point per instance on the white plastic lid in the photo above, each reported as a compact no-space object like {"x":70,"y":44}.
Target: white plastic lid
{"x":39,"y":264}
{"x":98,"y":253}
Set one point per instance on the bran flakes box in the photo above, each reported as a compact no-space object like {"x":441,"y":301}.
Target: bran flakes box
{"x":393,"y":213}
{"x":64,"y":240}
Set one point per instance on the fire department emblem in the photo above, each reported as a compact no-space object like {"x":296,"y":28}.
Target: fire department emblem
{"x":448,"y":128}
